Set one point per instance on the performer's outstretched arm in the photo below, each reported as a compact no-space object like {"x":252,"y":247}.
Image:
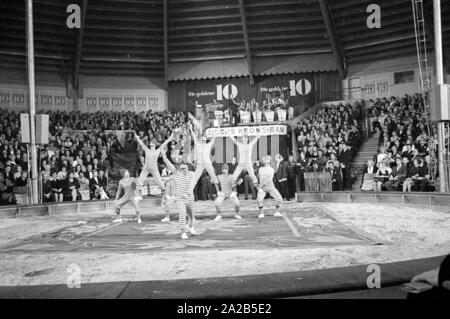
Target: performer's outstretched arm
{"x":141,"y":144}
{"x":169,"y":165}
{"x":193,"y":135}
{"x":119,"y":191}
{"x":164,"y":145}
{"x":253,"y":142}
{"x":235,"y":141}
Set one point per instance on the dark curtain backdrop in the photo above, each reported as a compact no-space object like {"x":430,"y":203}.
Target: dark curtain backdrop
{"x":328,"y":86}
{"x":324,"y":86}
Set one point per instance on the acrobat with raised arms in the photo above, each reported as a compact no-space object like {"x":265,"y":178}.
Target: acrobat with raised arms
{"x":245,"y":150}
{"x":203,"y":152}
{"x":151,"y":161}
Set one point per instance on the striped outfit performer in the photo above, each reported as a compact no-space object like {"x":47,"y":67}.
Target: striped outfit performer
{"x":245,"y":158}
{"x":203,"y":152}
{"x":183,"y":180}
{"x":266,"y":174}
{"x":227,"y":186}
{"x":127,"y":186}
{"x":168,"y":198}
{"x":151,"y":161}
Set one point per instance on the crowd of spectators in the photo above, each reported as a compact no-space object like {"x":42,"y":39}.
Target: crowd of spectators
{"x":328,"y":141}
{"x":407,"y":146}
{"x":80,"y":154}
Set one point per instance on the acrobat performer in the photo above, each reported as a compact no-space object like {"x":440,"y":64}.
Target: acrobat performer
{"x":184,"y":183}
{"x":127,"y":186}
{"x":266,"y":185}
{"x":227,"y":190}
{"x":203,"y":151}
{"x":151,"y":161}
{"x":168,"y":198}
{"x":245,"y":150}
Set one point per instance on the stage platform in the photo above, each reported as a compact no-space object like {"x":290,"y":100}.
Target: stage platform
{"x":327,"y":235}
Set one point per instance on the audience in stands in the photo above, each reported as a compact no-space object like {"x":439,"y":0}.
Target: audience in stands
{"x":332,"y":134}
{"x":407,"y":143}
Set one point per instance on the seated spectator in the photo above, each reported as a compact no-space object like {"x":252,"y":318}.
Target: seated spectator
{"x":22,"y":181}
{"x":58,"y":183}
{"x":71,"y":187}
{"x":398,"y":175}
{"x":368,"y":176}
{"x":336,"y":178}
{"x":94,"y":186}
{"x":84,"y":182}
{"x":416,"y":177}
{"x":382,"y":154}
{"x":315,"y":168}
{"x":382,"y":175}
{"x":47,"y":189}
{"x":103,"y":183}
{"x":6,"y":192}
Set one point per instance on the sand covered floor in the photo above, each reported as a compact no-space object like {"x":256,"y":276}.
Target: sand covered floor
{"x":40,"y":250}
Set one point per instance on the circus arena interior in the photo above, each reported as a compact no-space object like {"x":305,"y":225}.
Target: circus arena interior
{"x":224,"y":149}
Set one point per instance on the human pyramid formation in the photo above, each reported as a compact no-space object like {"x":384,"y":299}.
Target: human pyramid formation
{"x":178,"y":190}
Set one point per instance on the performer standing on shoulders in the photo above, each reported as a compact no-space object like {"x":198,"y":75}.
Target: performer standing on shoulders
{"x":127,"y":185}
{"x":245,"y":150}
{"x":184,"y":183}
{"x":151,"y":161}
{"x":203,"y":151}
{"x":266,"y":174}
{"x":228,"y":186}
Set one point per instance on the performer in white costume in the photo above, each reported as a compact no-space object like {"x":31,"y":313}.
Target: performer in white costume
{"x":245,"y":150}
{"x":151,"y":161}
{"x":127,"y":185}
{"x":203,"y":151}
{"x":266,"y":185}
{"x":227,"y":190}
{"x":168,"y":198}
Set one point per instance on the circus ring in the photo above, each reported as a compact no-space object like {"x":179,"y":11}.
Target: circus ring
{"x":321,"y":247}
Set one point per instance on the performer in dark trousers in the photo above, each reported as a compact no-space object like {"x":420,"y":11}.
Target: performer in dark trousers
{"x":345,"y":157}
{"x":302,"y":167}
{"x":280,"y":176}
{"x":291,"y":177}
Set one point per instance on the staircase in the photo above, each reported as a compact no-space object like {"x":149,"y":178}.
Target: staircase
{"x":366,"y":152}
{"x":125,"y":160}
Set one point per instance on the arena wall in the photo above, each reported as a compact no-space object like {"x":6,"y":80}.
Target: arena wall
{"x":376,"y":79}
{"x":55,"y":92}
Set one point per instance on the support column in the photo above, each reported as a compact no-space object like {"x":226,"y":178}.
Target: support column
{"x":31,"y":93}
{"x":443,"y":185}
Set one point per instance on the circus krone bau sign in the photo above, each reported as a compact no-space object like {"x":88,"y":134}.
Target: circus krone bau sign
{"x":262,"y":130}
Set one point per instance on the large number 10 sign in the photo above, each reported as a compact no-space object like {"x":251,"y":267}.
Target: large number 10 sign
{"x":228,"y":91}
{"x":301,"y":87}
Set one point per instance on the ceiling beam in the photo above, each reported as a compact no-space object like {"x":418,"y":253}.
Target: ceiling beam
{"x":209,"y":58}
{"x":332,"y":36}
{"x":79,"y":48}
{"x":379,"y":42}
{"x":166,"y":45}
{"x":248,"y":54}
{"x":291,"y":52}
{"x":37,"y":55}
